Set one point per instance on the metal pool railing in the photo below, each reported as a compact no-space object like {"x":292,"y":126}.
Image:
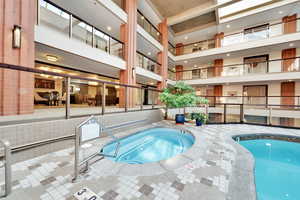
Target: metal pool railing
{"x":7,"y":166}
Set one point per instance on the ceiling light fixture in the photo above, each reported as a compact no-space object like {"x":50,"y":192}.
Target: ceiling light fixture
{"x":185,"y":61}
{"x":291,"y":44}
{"x":51,"y":58}
{"x":228,"y":26}
{"x":195,"y":66}
{"x":149,"y":53}
{"x":186,"y":37}
{"x":228,"y":54}
{"x":280,"y":12}
{"x":108,"y":28}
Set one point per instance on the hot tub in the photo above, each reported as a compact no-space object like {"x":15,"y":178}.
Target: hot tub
{"x":151,"y":145}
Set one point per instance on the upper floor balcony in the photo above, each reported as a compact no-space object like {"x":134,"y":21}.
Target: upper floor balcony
{"x":254,"y":71}
{"x":258,"y":33}
{"x":148,"y":26}
{"x":61,"y":29}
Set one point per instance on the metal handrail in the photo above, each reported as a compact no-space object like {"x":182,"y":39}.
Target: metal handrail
{"x":7,"y":165}
{"x":239,"y":65}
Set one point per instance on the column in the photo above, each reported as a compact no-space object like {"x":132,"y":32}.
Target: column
{"x":218,"y":67}
{"x":129,"y":37}
{"x":290,"y":24}
{"x":219,"y":39}
{"x":179,"y":73}
{"x":163,"y":55}
{"x":16,"y":88}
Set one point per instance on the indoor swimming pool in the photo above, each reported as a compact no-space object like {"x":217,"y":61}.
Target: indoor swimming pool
{"x":277,"y":168}
{"x":151,"y":145}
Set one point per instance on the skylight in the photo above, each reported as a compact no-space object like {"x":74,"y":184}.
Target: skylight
{"x":239,"y":6}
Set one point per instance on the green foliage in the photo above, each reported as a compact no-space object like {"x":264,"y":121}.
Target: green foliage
{"x":180,"y":95}
{"x":202,"y":117}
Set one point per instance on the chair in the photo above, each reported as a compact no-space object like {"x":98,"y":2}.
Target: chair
{"x":38,"y":99}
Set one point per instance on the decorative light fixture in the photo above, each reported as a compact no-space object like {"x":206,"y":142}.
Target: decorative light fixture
{"x":17,"y":37}
{"x":51,"y":58}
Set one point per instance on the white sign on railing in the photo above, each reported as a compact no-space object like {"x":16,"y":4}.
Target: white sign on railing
{"x":90,"y":130}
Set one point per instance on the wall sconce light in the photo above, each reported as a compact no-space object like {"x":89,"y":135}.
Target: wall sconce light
{"x":17,"y":37}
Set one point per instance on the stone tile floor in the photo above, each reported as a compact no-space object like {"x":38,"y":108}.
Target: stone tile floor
{"x":215,"y":168}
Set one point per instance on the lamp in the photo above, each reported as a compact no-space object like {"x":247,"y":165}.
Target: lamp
{"x":16,"y":37}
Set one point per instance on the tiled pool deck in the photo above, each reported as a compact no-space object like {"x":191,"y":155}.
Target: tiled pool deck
{"x":214,"y":168}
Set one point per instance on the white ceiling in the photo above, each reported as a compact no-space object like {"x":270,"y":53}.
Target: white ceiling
{"x":74,"y":61}
{"x":271,"y":15}
{"x":94,"y":13}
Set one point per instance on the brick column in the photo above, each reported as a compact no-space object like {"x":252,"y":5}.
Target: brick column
{"x":179,"y":73}
{"x":179,"y":49}
{"x":129,"y":37}
{"x":218,"y":39}
{"x":163,"y":55}
{"x":290,"y":24}
{"x":16,"y":88}
{"x":218,"y":67}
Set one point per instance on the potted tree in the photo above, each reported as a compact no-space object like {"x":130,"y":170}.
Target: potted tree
{"x":201,"y":118}
{"x":180,"y":96}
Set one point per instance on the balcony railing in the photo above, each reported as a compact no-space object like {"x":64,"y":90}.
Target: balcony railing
{"x":262,"y":100}
{"x":271,"y":66}
{"x":251,"y":34}
{"x":80,"y":96}
{"x":257,"y":114}
{"x":148,"y":63}
{"x":54,"y":17}
{"x":171,"y":75}
{"x":171,"y":48}
{"x":148,"y":26}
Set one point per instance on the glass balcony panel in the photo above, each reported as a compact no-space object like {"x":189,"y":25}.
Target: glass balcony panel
{"x":54,"y":18}
{"x":256,"y":114}
{"x":216,"y":114}
{"x":116,"y":48}
{"x":233,"y":113}
{"x":256,"y":68}
{"x":101,"y":41}
{"x":233,"y":39}
{"x":85,"y":98}
{"x":82,"y":31}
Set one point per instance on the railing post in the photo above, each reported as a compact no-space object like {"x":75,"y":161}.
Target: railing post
{"x":70,"y":26}
{"x":109,"y":45}
{"x":67,"y":103}
{"x":206,"y":109}
{"x":225,"y":113}
{"x":142,"y":99}
{"x":126,"y":98}
{"x":93,"y":37}
{"x":7,"y":165}
{"x":152,"y":97}
{"x":270,"y":116}
{"x":103,"y":98}
{"x":242,"y":114}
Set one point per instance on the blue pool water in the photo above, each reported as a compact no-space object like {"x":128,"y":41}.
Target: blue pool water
{"x":150,"y":146}
{"x":277,"y":168}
